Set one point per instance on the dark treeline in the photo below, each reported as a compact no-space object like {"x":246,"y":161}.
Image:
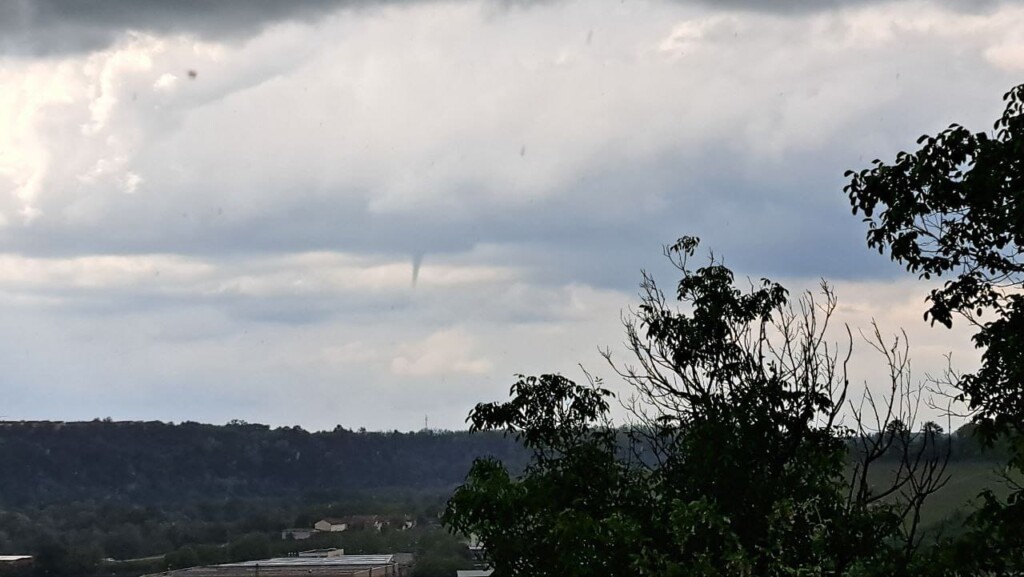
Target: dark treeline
{"x":160,"y":464}
{"x":155,"y":463}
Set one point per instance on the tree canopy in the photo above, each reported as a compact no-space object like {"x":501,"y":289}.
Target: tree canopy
{"x":735,"y":462}
{"x":954,"y":210}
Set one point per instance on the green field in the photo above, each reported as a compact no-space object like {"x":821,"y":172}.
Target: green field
{"x":948,"y":507}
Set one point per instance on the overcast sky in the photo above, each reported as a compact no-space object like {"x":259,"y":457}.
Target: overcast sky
{"x":215,"y":210}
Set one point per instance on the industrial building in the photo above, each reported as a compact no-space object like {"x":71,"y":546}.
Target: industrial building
{"x":327,"y":566}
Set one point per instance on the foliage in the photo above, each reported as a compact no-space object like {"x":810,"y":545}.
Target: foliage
{"x":569,"y":514}
{"x":440,"y":554}
{"x":55,"y":560}
{"x":954,"y":210}
{"x":154,"y":463}
{"x":735,"y":464}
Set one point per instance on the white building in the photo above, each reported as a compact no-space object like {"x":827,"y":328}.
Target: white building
{"x":331,"y":525}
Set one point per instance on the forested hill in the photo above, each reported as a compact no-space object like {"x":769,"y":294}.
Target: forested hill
{"x":161,"y":463}
{"x":155,"y":463}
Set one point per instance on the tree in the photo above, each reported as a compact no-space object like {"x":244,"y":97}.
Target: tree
{"x":954,"y":210}
{"x":734,"y":464}
{"x":54,"y":559}
{"x":182,"y":558}
{"x":570,"y":509}
{"x":249,"y":546}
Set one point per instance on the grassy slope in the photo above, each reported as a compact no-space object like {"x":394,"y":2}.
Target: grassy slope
{"x":960,"y":495}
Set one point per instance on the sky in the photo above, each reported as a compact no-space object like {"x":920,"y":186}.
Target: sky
{"x":377,"y":213}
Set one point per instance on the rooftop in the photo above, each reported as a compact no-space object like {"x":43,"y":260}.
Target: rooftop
{"x":12,"y":558}
{"x":340,"y":560}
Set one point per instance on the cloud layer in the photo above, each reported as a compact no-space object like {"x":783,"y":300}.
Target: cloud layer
{"x":214,"y":212}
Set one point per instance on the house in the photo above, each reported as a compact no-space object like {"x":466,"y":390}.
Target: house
{"x":331,"y":525}
{"x":363,"y":522}
{"x":297,"y":534}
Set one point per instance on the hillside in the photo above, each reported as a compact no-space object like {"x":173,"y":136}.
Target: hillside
{"x":215,"y":493}
{"x":164,"y":464}
{"x":155,"y":463}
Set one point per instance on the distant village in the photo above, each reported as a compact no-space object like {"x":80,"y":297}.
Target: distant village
{"x":352,"y":522}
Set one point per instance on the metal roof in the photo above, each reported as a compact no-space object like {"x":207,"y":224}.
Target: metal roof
{"x":339,"y":561}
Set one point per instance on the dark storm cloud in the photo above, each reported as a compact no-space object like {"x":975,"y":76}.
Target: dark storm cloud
{"x":54,"y":27}
{"x":50,"y":27}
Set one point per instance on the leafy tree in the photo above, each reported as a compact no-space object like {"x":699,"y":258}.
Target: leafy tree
{"x":735,"y":464}
{"x":248,"y":547}
{"x":440,"y":554}
{"x":54,"y":559}
{"x":954,"y":210}
{"x":183,"y":557}
{"x":569,"y":514}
